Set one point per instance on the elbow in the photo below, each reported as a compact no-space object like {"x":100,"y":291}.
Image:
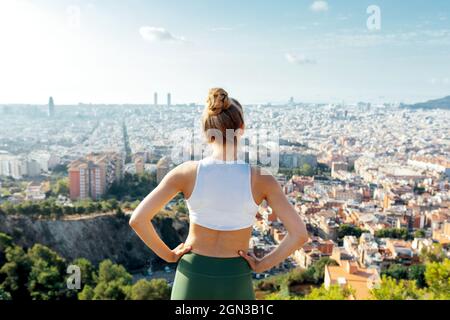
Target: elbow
{"x":301,"y":237}
{"x":133,"y":222}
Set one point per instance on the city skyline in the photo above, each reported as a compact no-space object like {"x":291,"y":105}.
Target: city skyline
{"x":319,"y":51}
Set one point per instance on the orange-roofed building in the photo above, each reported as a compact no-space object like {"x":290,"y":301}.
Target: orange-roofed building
{"x":349,"y":274}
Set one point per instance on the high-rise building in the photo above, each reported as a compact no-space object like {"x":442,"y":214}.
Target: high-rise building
{"x":162,"y":168}
{"x":155,"y":99}
{"x":51,"y":107}
{"x":140,"y":165}
{"x":91,"y":176}
{"x":169,"y":99}
{"x":291,"y":101}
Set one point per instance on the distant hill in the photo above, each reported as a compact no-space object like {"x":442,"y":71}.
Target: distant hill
{"x":443,"y":103}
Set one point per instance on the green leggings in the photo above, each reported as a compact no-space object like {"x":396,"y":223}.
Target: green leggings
{"x":200,"y":277}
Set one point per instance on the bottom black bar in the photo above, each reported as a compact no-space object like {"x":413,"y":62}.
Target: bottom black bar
{"x":277,"y":309}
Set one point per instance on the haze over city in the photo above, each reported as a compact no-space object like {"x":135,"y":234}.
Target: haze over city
{"x":316,"y":51}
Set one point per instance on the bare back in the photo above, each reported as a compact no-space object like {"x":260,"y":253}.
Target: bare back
{"x":218,"y":243}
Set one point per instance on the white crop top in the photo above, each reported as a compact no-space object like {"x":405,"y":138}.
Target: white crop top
{"x":222,"y":196}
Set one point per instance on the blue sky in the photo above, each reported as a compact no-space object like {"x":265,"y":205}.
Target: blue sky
{"x":115,"y":51}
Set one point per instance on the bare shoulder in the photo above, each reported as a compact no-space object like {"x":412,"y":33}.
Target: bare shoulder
{"x":263,"y":179}
{"x":186,"y":167}
{"x":183,"y":174}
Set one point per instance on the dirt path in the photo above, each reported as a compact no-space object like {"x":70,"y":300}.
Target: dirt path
{"x":76,"y":217}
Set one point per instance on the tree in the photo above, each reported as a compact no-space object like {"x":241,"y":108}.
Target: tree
{"x":113,"y":204}
{"x":433,"y":254}
{"x":437,"y":276}
{"x":394,"y":233}
{"x":391,"y":289}
{"x":349,"y":230}
{"x":419,"y":233}
{"x":87,"y":270}
{"x":14,"y":273}
{"x":414,"y":272}
{"x":155,"y":289}
{"x":4,"y":295}
{"x":61,"y":187}
{"x":318,"y":268}
{"x":113,"y":282}
{"x":417,"y":272}
{"x":5,"y":242}
{"x":397,"y":271}
{"x":305,"y":170}
{"x":334,"y":292}
{"x":119,"y":213}
{"x":87,"y":293}
{"x":46,"y":280}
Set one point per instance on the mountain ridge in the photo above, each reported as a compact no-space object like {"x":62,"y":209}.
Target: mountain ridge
{"x":442,"y":103}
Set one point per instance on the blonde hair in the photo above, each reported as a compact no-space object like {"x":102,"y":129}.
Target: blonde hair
{"x":221,"y":113}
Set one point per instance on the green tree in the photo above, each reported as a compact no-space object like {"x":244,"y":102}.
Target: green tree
{"x":88,"y":271}
{"x":349,"y":230}
{"x":113,"y":282}
{"x":394,"y":233}
{"x":46,"y":280}
{"x":334,"y":292}
{"x":5,"y":242}
{"x":119,"y":213}
{"x":437,"y":276}
{"x":317,"y":270}
{"x":434,"y":254}
{"x":419,"y":234}
{"x":417,"y":272}
{"x":4,"y":295}
{"x":87,"y":293}
{"x":305,"y":170}
{"x":391,"y":289}
{"x":400,"y":272}
{"x":155,"y":289}
{"x":61,"y":187}
{"x":396,"y":271}
{"x":14,"y":273}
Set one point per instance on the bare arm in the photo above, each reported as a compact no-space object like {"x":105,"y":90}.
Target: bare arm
{"x":297,"y":234}
{"x":141,"y":218}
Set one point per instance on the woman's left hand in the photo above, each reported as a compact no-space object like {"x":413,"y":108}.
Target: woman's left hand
{"x":253,"y":261}
{"x":178,"y":252}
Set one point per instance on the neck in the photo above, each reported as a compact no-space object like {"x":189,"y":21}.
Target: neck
{"x":226,"y":152}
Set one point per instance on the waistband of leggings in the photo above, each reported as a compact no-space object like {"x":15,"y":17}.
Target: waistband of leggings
{"x":197,"y":264}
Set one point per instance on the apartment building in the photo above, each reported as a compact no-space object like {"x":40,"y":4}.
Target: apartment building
{"x":91,"y":176}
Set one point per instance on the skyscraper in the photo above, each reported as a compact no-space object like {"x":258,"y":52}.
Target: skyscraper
{"x":169,"y":98}
{"x":51,"y":107}
{"x":155,"y":99}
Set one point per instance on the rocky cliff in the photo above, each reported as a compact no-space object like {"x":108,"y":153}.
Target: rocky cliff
{"x":95,"y":238}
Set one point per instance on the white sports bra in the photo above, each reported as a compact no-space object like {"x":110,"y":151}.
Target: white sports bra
{"x":222,"y":196}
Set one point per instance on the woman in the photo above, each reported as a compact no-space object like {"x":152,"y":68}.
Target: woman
{"x":222,"y":194}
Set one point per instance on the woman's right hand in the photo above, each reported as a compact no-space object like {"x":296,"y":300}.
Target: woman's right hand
{"x":178,"y":252}
{"x":253,"y":261}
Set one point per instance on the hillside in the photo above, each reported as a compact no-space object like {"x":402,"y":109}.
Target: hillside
{"x":96,"y":238}
{"x":443,"y":103}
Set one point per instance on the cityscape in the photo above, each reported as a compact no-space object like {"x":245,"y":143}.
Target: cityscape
{"x":370,"y":180}
{"x":346,"y":104}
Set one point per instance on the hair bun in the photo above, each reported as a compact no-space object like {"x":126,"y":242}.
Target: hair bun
{"x":217,"y":101}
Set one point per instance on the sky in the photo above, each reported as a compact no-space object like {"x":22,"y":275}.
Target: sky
{"x":115,"y":51}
